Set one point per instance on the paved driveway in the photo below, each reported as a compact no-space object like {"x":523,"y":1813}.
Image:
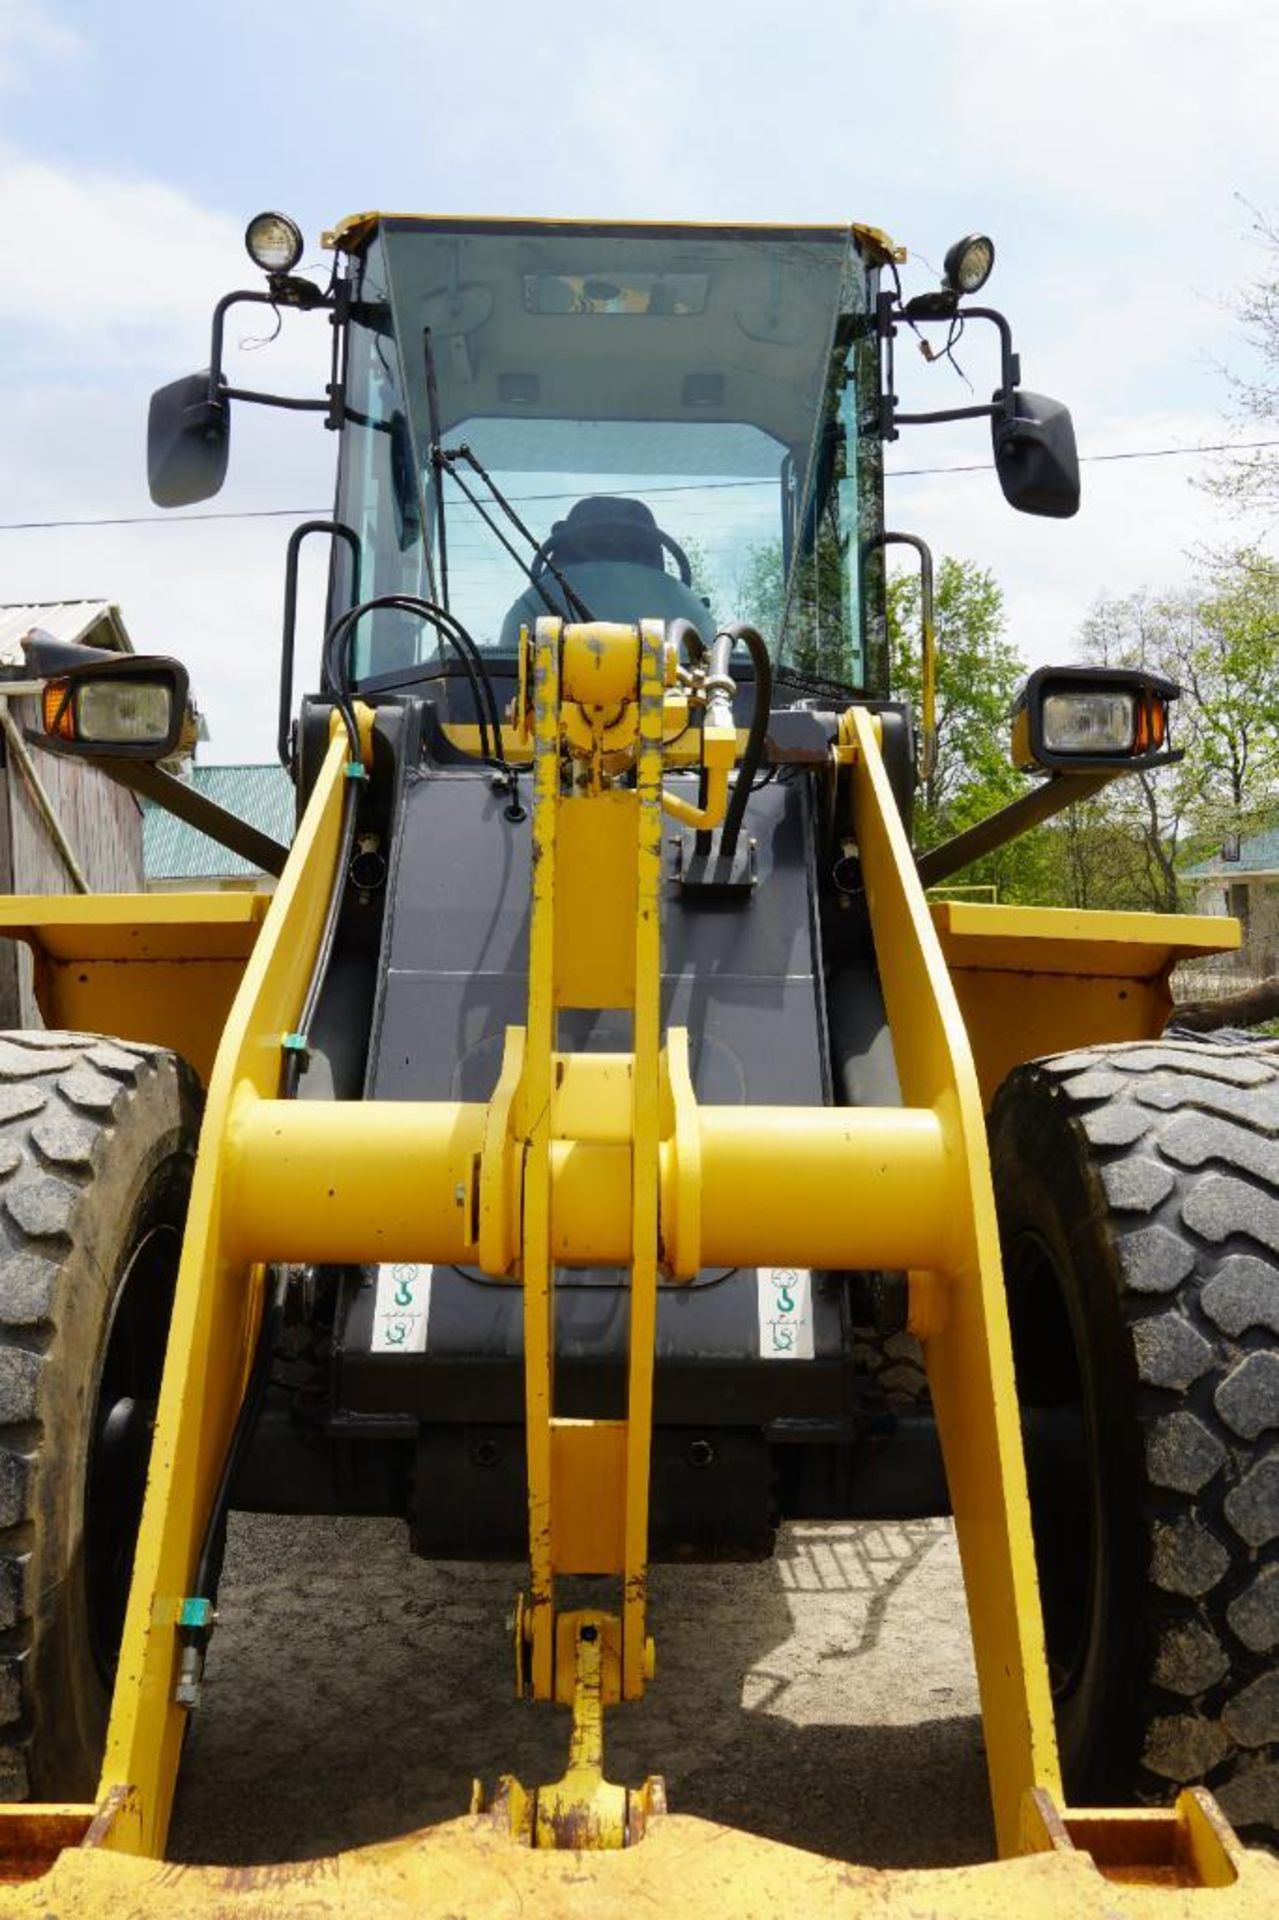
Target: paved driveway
{"x":825,"y":1698}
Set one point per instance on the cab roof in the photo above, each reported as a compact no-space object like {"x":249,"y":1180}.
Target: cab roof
{"x":351,"y":233}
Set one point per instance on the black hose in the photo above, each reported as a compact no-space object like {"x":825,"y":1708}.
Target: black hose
{"x":754,"y":643}
{"x":337,"y":643}
{"x":448,"y":627}
{"x":209,"y":1570}
{"x":717,"y":657}
{"x":721,"y":652}
{"x":704,"y":836}
{"x":293,"y":1059}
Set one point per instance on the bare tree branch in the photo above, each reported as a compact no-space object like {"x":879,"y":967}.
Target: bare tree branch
{"x":1246,"y":1009}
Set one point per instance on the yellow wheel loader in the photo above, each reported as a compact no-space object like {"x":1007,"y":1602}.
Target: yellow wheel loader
{"x":598,"y":1086}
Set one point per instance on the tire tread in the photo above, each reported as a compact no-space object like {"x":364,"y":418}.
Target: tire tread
{"x":1183,"y":1137}
{"x":62,"y":1095}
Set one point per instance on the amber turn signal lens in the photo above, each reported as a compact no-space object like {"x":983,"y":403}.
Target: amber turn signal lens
{"x":1152,"y":724}
{"x":58,"y":709}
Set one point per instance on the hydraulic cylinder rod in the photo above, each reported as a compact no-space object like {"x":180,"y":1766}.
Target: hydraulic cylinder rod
{"x":366,"y":1181}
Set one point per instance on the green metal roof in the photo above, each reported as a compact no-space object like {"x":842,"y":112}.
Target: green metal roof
{"x":262,"y":795}
{"x":1258,"y":853}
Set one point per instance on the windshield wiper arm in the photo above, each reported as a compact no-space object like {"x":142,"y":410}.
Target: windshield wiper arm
{"x":437,"y":461}
{"x":501,"y":538}
{"x":451,"y":457}
{"x":445,"y":459}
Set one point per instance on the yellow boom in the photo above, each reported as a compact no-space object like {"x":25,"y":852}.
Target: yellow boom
{"x":611,"y":1159}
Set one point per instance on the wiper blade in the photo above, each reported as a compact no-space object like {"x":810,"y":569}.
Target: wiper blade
{"x":451,"y":457}
{"x":445,"y":460}
{"x":437,"y":462}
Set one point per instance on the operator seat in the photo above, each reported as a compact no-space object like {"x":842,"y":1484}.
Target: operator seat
{"x":612,"y":552}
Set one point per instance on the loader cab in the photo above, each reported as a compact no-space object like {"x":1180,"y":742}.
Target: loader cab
{"x":636,"y":421}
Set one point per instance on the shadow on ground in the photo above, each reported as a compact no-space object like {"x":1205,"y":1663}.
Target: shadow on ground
{"x":825,"y":1698}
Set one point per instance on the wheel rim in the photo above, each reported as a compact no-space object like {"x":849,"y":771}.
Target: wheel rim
{"x":120,"y":1446}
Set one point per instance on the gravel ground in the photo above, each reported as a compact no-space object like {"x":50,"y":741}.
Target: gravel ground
{"x":825,"y":1698}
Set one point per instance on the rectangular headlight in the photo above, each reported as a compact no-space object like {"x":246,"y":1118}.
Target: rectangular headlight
{"x":124,"y":712}
{"x":1092,"y":719}
{"x":1079,"y":721}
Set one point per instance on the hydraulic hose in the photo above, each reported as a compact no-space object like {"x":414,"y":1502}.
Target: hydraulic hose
{"x":754,"y":642}
{"x":683,"y":634}
{"x":720,"y":690}
{"x":324,"y":952}
{"x":208,"y":1573}
{"x":209,"y":1568}
{"x":337,"y":646}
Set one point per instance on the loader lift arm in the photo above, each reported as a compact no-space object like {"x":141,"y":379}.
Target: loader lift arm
{"x":524,"y":1184}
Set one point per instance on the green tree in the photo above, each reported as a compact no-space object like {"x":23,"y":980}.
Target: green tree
{"x":1250,"y":478}
{"x":1220,"y":642}
{"x":699,"y":566}
{"x":814,"y":637}
{"x":1130,"y":836}
{"x":978,"y":673}
{"x":1228,"y":665}
{"x":761,"y":589}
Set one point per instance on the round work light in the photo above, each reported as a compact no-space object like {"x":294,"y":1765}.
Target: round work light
{"x":969,"y":263}
{"x":274,"y":242}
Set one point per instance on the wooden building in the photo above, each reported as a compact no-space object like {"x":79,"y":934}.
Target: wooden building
{"x":64,"y":827}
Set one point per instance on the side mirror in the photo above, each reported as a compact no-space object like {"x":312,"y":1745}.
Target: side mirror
{"x":1035,"y":456}
{"x":99,"y":705}
{"x":188,"y":440}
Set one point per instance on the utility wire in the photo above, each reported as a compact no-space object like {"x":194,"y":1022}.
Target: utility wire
{"x":164,"y":519}
{"x":1092,"y":459}
{"x":692,"y":486}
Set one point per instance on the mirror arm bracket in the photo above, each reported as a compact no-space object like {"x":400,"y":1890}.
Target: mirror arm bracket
{"x":294,"y":404}
{"x":889,"y":315}
{"x":995,"y":410}
{"x":284,"y":293}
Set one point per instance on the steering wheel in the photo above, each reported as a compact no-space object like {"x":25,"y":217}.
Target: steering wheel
{"x":540,"y":563}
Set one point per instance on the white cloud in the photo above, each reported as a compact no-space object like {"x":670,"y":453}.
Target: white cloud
{"x":119,"y":280}
{"x":28,"y":34}
{"x":1104,"y":145}
{"x":209,"y":591}
{"x":1130,"y":111}
{"x":118,"y":273}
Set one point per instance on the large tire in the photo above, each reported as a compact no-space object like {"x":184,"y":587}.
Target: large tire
{"x":1138,"y":1197}
{"x":97,"y":1142}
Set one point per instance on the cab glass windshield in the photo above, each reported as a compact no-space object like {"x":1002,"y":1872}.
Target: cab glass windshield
{"x":614,"y":423}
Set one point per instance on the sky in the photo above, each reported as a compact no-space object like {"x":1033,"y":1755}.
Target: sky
{"x":1114,"y":149}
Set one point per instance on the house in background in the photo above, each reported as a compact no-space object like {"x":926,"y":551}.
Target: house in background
{"x":64,"y":827}
{"x":1242,"y":879}
{"x":177,"y":857}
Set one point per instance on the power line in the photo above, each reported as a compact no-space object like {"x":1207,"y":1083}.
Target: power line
{"x":692,"y":486}
{"x":1092,"y":459}
{"x":163,"y":519}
